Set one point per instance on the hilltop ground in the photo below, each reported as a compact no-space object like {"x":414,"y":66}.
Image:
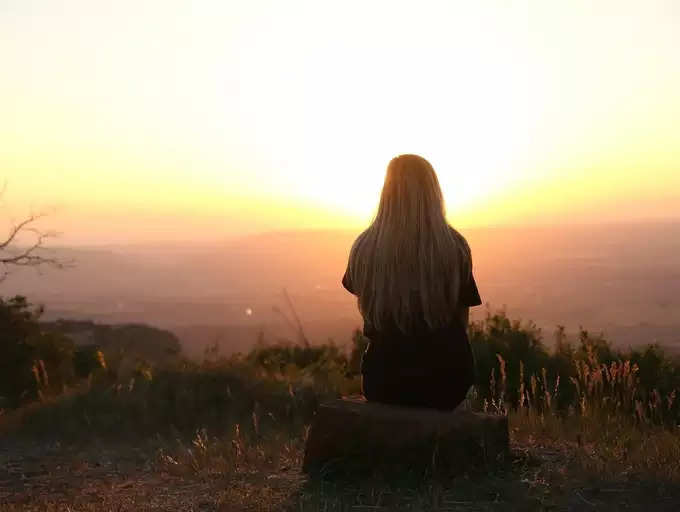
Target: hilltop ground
{"x":113,"y":475}
{"x":591,"y":429}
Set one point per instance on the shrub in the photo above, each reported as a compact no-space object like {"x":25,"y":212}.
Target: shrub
{"x":33,"y":362}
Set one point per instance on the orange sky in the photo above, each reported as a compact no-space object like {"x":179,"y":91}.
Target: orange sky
{"x":160,"y":120}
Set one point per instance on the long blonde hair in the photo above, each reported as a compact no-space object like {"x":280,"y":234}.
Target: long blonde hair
{"x":409,"y":261}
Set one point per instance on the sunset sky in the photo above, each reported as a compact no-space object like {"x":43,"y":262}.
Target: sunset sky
{"x":160,"y":120}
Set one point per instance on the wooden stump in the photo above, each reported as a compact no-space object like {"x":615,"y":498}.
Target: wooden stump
{"x":353,"y":433}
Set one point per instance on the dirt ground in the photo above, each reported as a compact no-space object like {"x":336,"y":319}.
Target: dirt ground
{"x":109,"y":477}
{"x":49,"y":476}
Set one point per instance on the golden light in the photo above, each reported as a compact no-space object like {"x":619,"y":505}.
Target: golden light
{"x":244,"y":116}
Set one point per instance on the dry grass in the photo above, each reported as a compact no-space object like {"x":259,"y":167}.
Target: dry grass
{"x":575,"y":463}
{"x":230,"y":436}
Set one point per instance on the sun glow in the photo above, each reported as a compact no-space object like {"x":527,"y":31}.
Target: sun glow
{"x":230,"y":116}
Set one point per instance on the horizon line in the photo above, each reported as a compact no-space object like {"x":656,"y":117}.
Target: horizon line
{"x":290,"y":231}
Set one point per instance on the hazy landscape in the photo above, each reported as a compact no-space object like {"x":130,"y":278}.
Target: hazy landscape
{"x":622,"y":279}
{"x":180,"y":187}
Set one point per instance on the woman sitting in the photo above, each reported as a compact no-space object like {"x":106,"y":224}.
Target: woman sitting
{"x":412,"y":274}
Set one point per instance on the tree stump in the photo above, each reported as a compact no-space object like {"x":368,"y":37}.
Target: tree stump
{"x":358,"y":435}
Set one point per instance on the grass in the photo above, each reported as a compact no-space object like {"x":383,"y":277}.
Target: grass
{"x":229,"y":434}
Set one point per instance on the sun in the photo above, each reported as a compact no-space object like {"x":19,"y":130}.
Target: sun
{"x":470,"y":175}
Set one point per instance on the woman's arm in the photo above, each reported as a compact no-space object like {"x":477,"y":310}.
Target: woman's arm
{"x":464,"y":315}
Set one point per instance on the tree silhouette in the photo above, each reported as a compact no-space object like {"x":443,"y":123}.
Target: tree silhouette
{"x":14,"y":253}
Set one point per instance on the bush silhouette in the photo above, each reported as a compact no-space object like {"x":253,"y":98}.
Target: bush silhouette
{"x":33,"y":361}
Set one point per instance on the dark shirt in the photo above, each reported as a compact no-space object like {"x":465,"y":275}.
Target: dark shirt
{"x":423,"y":351}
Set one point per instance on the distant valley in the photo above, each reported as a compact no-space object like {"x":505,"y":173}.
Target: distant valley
{"x":621,"y":279}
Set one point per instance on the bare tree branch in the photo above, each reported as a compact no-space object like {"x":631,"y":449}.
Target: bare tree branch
{"x":31,"y":255}
{"x":295,"y":324}
{"x":300,"y":330}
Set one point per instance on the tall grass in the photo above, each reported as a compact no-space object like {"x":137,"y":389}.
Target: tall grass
{"x":517,"y":372}
{"x":618,"y":409}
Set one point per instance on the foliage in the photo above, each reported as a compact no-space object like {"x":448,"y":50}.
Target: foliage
{"x":33,"y":361}
{"x":122,"y":350}
{"x":41,"y":359}
{"x":583,"y":416}
{"x":515,"y":370}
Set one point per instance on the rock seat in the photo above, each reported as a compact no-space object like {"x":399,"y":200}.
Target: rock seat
{"x":360,"y":434}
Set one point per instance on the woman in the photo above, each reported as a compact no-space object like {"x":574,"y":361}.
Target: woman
{"x":412,"y":274}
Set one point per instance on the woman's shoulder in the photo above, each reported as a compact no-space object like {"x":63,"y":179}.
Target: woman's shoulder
{"x":460,"y":240}
{"x":360,"y":239}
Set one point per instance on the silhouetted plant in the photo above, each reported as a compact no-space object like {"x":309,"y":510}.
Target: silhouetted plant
{"x":33,"y":361}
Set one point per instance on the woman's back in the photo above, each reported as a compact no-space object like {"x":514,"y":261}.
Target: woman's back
{"x":412,"y":274}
